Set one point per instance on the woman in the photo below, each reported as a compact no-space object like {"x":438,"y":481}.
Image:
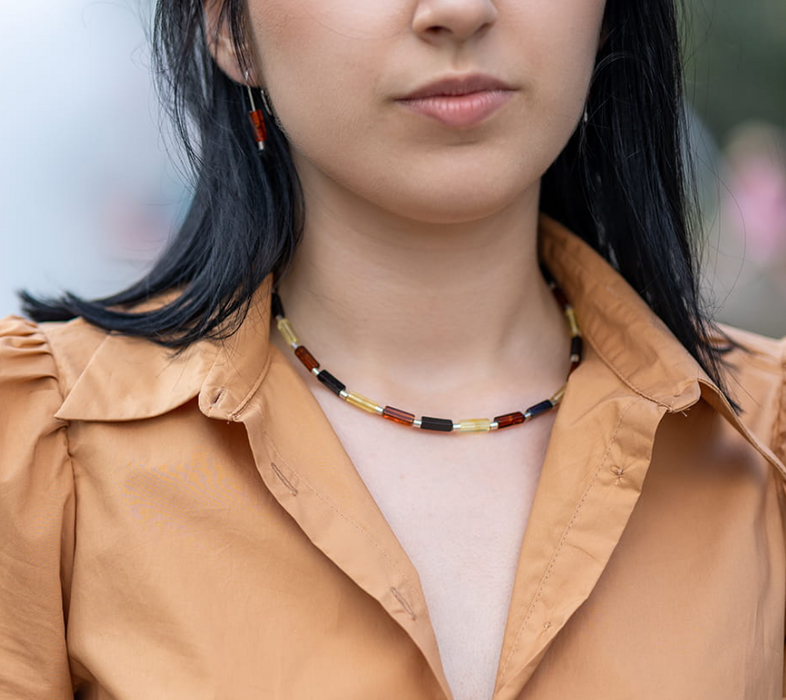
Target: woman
{"x":188,"y":512}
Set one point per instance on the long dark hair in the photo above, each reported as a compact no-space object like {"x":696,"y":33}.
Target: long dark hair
{"x":621,"y":183}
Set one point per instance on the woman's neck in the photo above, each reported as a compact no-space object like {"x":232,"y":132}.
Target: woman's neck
{"x":446,"y":311}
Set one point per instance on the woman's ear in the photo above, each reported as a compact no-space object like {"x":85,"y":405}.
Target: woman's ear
{"x":219,"y":41}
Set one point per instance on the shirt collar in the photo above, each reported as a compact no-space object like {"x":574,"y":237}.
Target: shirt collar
{"x":131,"y":379}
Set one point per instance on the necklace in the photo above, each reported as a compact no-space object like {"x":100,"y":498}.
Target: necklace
{"x":443,"y":425}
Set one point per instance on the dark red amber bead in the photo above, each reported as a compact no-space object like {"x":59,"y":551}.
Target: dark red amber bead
{"x":306,"y":358}
{"x":258,"y":122}
{"x":509,"y":419}
{"x":398,"y":416}
{"x":559,"y":295}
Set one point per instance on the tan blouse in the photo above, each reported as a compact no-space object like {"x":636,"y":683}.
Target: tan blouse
{"x":192,"y":529}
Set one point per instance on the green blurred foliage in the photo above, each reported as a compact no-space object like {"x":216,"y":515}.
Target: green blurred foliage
{"x":735,"y":57}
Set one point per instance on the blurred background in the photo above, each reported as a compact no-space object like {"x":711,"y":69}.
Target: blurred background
{"x":91,"y":185}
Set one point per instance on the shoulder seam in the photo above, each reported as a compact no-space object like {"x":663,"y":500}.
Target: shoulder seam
{"x":58,"y":379}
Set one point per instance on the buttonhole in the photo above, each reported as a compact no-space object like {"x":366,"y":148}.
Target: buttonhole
{"x":403,"y":602}
{"x":290,"y":487}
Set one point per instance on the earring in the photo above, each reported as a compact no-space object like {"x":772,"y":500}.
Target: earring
{"x":257,"y":117}
{"x":585,"y":118}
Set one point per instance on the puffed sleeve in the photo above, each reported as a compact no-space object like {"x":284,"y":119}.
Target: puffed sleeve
{"x":36,"y":519}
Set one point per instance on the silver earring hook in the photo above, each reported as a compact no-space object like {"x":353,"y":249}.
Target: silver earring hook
{"x":264,"y":100}
{"x":250,"y":95}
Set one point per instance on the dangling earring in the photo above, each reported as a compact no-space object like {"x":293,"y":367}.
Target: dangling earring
{"x":585,"y":118}
{"x":257,"y":117}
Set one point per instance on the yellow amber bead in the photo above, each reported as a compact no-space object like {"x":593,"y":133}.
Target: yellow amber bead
{"x":558,"y":396}
{"x":363,"y":402}
{"x":574,"y":324}
{"x":288,"y":332}
{"x":476,"y":425}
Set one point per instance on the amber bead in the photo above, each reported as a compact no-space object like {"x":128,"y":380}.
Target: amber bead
{"x":331,"y":382}
{"x":577,"y":346}
{"x":258,"y":122}
{"x":398,"y":416}
{"x":574,"y":324}
{"x":539,"y":408}
{"x":509,"y":419}
{"x":362,"y":402}
{"x":475,"y":425}
{"x":288,"y":332}
{"x":559,"y":295}
{"x":306,"y":358}
{"x":277,"y":307}
{"x":441,"y":425}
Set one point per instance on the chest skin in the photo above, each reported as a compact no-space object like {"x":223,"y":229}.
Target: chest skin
{"x":459,"y":505}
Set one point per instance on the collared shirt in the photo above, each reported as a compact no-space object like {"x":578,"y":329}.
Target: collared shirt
{"x":191,"y":528}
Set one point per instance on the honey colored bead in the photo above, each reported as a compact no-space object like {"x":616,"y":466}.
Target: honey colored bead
{"x":288,"y":332}
{"x":475,"y":425}
{"x":558,"y":396}
{"x":363,"y":402}
{"x":574,"y":324}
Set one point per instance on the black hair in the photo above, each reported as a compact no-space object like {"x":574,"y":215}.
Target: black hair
{"x":622,"y":184}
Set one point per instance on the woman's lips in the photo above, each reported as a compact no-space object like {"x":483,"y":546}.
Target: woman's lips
{"x":460,"y":110}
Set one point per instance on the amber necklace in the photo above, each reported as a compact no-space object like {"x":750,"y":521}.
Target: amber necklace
{"x":443,"y":425}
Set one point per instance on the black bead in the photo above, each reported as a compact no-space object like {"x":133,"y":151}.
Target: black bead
{"x":538,"y":408}
{"x":546,"y":273}
{"x":276,"y":306}
{"x":576,"y":346}
{"x":442,"y":425}
{"x":331,"y":382}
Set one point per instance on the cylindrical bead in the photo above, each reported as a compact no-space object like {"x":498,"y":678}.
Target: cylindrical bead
{"x":558,"y":396}
{"x":362,"y":402}
{"x":306,"y":358}
{"x":509,"y":419}
{"x":574,"y":324}
{"x":475,"y":425}
{"x":559,"y":295}
{"x":258,"y":122}
{"x":331,"y":382}
{"x":441,"y":425}
{"x":576,"y":347}
{"x":539,"y":408}
{"x":547,"y":275}
{"x":277,"y":307}
{"x":285,"y":327}
{"x":398,"y":416}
